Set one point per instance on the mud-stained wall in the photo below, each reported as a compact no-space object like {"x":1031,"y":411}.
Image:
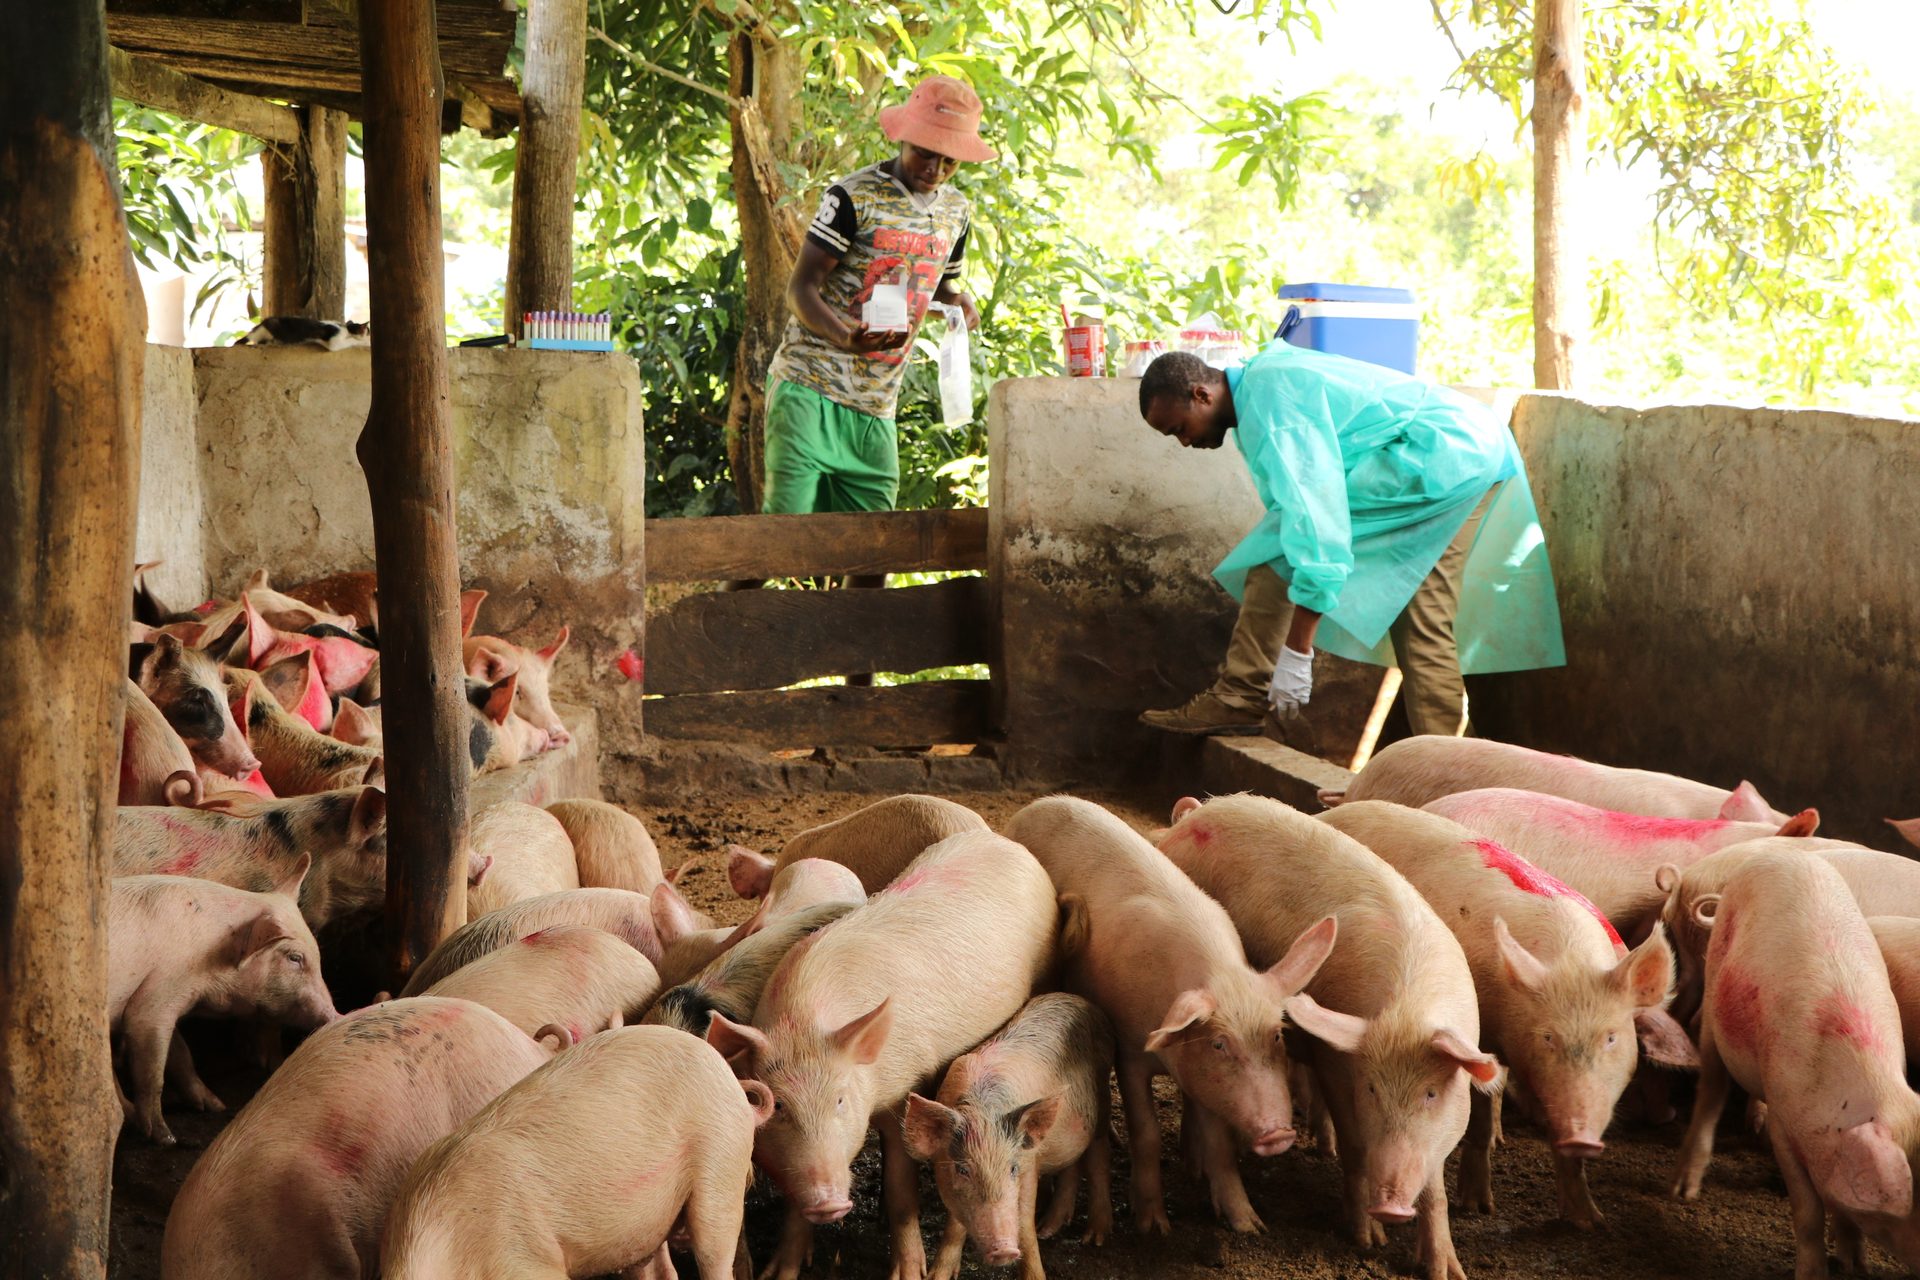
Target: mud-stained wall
{"x":169,"y":516}
{"x":1741,"y":595}
{"x":1104,"y":537}
{"x":549,"y":458}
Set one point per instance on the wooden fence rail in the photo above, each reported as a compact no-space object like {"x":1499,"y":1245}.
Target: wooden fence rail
{"x":724,"y":548}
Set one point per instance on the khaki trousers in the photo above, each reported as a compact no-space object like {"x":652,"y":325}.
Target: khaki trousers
{"x":1430,"y":688}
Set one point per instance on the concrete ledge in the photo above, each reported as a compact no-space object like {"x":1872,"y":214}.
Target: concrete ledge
{"x":570,"y":773}
{"x":1267,"y":768}
{"x":671,"y":769}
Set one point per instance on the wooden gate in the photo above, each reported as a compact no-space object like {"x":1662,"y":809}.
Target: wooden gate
{"x":723,"y":659}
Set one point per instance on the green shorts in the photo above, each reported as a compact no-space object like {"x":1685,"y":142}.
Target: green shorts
{"x":823,"y":456}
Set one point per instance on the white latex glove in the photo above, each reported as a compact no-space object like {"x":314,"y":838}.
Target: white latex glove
{"x":1292,"y":684}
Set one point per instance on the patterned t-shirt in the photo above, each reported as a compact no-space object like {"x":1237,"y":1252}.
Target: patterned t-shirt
{"x":882,"y":234}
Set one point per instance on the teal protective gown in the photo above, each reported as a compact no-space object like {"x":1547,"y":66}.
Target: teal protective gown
{"x":1367,"y":474}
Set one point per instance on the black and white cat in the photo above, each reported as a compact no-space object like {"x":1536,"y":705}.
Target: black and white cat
{"x":298,"y":331}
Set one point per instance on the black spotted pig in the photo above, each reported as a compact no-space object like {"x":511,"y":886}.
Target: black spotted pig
{"x":298,"y":1186}
{"x":628,"y":916}
{"x":186,"y":685}
{"x":730,"y":985}
{"x":1030,"y":1102}
{"x":514,"y":1195}
{"x":581,"y":978}
{"x":877,"y":842}
{"x":178,"y":946}
{"x":296,"y":759}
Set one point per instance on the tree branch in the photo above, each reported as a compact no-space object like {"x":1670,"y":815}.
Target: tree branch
{"x":655,"y":68}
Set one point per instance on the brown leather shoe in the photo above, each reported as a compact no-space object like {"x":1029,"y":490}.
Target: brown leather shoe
{"x":1205,"y":713}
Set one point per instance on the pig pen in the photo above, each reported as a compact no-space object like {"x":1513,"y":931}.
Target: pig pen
{"x":1096,"y":603}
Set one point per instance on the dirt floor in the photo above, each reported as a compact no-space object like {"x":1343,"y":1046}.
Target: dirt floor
{"x":1738,"y":1231}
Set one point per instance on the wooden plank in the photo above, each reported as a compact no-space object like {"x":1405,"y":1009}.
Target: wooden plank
{"x":149,"y":82}
{"x":769,"y":639}
{"x":905,"y":715}
{"x":726,"y":548}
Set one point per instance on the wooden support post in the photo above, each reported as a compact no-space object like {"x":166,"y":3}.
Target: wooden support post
{"x":304,"y":235}
{"x":71,"y":327}
{"x":407,"y":453}
{"x":1559,"y":152}
{"x":540,"y":248}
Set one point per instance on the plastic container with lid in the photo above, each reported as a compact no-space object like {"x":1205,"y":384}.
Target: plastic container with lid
{"x":1138,"y":355}
{"x":1366,"y":322}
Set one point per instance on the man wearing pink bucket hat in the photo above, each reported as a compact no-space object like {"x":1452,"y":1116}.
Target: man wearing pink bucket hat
{"x":886,"y":243}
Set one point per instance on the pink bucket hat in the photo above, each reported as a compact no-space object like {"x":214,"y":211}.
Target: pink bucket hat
{"x":941,"y":114}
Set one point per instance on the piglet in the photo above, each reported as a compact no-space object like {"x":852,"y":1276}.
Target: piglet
{"x":151,"y":755}
{"x":731,"y":983}
{"x":1799,"y":1013}
{"x":1143,"y":942}
{"x":499,"y":737}
{"x":1562,"y":1001}
{"x":299,"y":1184}
{"x":611,"y":847}
{"x":1419,"y":770}
{"x":287,"y":613}
{"x":531,"y":856}
{"x":1029,"y":1103}
{"x":296,"y":685}
{"x":689,"y":939}
{"x":877,"y":842}
{"x":1393,"y":1013}
{"x":295,"y":758}
{"x":627,"y":916}
{"x":516,"y":1192}
{"x":491,"y":659}
{"x":185,"y":685}
{"x":570,"y":975}
{"x":810,"y":882}
{"x":178,"y":946}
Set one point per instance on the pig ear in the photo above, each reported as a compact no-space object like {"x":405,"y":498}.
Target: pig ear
{"x":352,"y":724}
{"x":258,"y":582}
{"x":1744,"y":804}
{"x":478,"y":864}
{"x":1522,"y":967}
{"x":1304,"y":958}
{"x":369,"y":815}
{"x":469,"y":610}
{"x":1663,"y":1041}
{"x":672,"y":918}
{"x":1187,"y":1008}
{"x":140,"y":660}
{"x":289,"y":886}
{"x":1075,"y":925}
{"x":500,"y":700}
{"x":1666,"y":877}
{"x":1035,"y":1121}
{"x":1184,"y":806}
{"x":1645,"y":974}
{"x":928,"y":1128}
{"x":863,"y":1038}
{"x":760,"y":1099}
{"x":249,"y":938}
{"x":288,"y":678}
{"x":552,"y":651}
{"x":1451,"y":1045}
{"x":259,"y":635}
{"x":750,"y":873}
{"x":487,"y":664}
{"x":740,"y":1045}
{"x":1340,"y":1031}
{"x":1909,"y":829}
{"x":1803,"y":823}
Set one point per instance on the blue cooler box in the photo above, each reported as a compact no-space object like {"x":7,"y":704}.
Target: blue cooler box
{"x":1380,"y":326}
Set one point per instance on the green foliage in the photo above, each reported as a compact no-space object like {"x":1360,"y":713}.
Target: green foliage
{"x":176,"y":185}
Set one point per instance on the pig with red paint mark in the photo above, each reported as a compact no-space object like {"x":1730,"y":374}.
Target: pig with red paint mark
{"x":578,"y":977}
{"x":288,"y":613}
{"x":611,"y":847}
{"x":861,"y":1012}
{"x":731,"y":983}
{"x":492,"y":659}
{"x":1562,"y":1002}
{"x":1198,"y":1011}
{"x":151,"y":754}
{"x":1883,"y":884}
{"x":1393,"y":1014}
{"x":1031,"y":1102}
{"x":299,"y":1184}
{"x":296,"y":685}
{"x":1799,"y":1013}
{"x":186,"y":686}
{"x":253,"y":844}
{"x":177,"y":946}
{"x":516,"y":1192}
{"x":1419,"y":770}
{"x":876,"y":842}
{"x":1609,"y":856}
{"x":627,"y":916}
{"x":295,"y":758}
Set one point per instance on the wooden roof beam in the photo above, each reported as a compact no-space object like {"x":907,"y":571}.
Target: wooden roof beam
{"x":145,"y":81}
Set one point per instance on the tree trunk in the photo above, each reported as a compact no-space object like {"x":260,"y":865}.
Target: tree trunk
{"x":303,"y":242}
{"x":764,"y":84}
{"x":1559,"y":151}
{"x":407,"y":453}
{"x":71,"y":323}
{"x":540,"y":253}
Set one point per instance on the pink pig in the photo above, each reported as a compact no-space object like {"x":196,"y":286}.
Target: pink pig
{"x":185,"y":685}
{"x":300,"y":1183}
{"x":295,"y":758}
{"x":531,"y":856}
{"x":515,"y":1194}
{"x":628,"y":916}
{"x":805,"y":883}
{"x":1562,"y":1001}
{"x":1418,"y":770}
{"x":578,"y":977}
{"x":343,"y":661}
{"x":1198,"y":1011}
{"x":490,"y":658}
{"x":1799,"y":1013}
{"x":1609,"y":856}
{"x":611,"y":847}
{"x":151,"y":754}
{"x":1399,"y":1063}
{"x":877,"y":842}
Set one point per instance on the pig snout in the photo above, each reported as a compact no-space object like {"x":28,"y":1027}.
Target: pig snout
{"x":1580,"y":1146}
{"x":1274,"y":1141}
{"x":1001,"y":1253}
{"x":1390,"y":1209}
{"x":821,"y":1204}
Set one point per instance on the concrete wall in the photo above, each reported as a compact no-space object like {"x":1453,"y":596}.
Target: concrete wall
{"x":170,"y":516}
{"x":549,"y":456}
{"x":1741,"y":594}
{"x":1105,"y":537}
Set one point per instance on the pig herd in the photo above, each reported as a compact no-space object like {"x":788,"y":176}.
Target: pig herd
{"x":582,"y":1080}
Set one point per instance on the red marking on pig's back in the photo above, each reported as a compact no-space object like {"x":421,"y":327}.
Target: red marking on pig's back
{"x":1631,"y":829}
{"x":1737,"y":1009}
{"x":1836,"y":1017}
{"x":1531,"y":879}
{"x":182,"y":865}
{"x":907,"y":882}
